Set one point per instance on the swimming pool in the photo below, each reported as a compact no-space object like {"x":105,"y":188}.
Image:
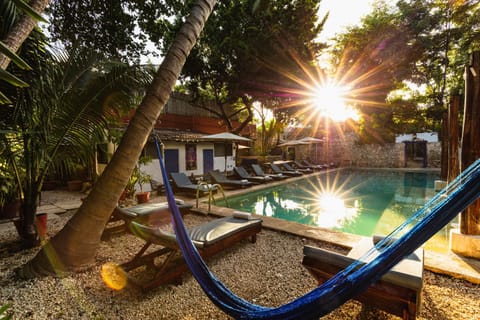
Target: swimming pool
{"x":362,"y":202}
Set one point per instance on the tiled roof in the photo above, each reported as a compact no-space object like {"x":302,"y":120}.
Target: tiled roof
{"x":179,"y":135}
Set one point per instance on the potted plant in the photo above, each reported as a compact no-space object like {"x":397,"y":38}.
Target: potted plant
{"x":140,"y":177}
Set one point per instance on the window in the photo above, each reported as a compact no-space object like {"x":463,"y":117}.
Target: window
{"x":191,"y":156}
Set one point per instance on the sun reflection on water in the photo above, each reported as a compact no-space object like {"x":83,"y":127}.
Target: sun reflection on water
{"x":332,"y":211}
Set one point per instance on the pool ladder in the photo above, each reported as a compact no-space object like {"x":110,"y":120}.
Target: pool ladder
{"x":211,"y":188}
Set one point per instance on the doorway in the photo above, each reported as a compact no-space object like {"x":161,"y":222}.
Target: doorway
{"x":207,"y":160}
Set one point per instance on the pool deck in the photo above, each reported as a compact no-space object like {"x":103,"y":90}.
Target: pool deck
{"x":58,"y":202}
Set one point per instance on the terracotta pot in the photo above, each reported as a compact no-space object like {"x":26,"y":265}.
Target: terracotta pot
{"x":143,"y":197}
{"x":42,"y":225}
{"x":74,"y":185}
{"x":123,"y":196}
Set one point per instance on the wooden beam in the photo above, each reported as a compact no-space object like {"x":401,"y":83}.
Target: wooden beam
{"x":453,"y":161}
{"x":469,"y":219}
{"x":444,"y":138}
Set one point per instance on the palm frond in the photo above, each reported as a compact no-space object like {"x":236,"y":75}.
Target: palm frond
{"x":21,"y":5}
{"x":10,"y":78}
{"x":14,"y":57}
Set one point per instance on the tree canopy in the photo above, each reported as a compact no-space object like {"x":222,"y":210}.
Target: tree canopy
{"x":404,"y":61}
{"x":251,"y":51}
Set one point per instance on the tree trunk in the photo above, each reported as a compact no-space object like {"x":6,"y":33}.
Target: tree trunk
{"x":74,"y":247}
{"x":469,"y":219}
{"x":445,"y":145}
{"x":20,"y":31}
{"x":453,"y":164}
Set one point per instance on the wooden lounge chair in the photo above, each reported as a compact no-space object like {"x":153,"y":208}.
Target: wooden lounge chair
{"x":276,"y":169}
{"x":182,"y":183}
{"x":225,"y":182}
{"x":209,"y":238}
{"x":145,"y":212}
{"x":315,"y":166}
{"x":243,"y":174}
{"x":288,"y":167}
{"x":260,"y":173}
{"x":299,"y":165}
{"x":397,"y":292}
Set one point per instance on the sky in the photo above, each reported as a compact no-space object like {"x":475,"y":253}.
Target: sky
{"x":343,"y":13}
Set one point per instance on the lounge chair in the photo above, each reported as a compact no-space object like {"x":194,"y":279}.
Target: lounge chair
{"x":260,"y":173}
{"x":397,"y":292}
{"x":146,"y":212}
{"x":276,"y":169}
{"x":298,"y":165}
{"x":243,"y":174}
{"x":315,"y":166}
{"x":225,"y":182}
{"x":290,"y":168}
{"x":209,"y":238}
{"x":182,"y":183}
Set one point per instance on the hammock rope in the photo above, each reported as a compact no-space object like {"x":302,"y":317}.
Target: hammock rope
{"x":354,"y":279}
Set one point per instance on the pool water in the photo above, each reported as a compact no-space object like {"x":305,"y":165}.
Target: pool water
{"x":355,"y":201}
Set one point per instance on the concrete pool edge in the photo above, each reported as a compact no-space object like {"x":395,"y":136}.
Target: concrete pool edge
{"x":442,"y":263}
{"x":449,"y":264}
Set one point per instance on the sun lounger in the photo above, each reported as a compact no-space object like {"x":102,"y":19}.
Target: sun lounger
{"x":182,"y":183}
{"x":315,"y":166}
{"x":259,"y":172}
{"x":225,"y":182}
{"x":397,"y":292}
{"x":209,"y":238}
{"x":290,"y":168}
{"x":299,"y":165}
{"x":276,"y":169}
{"x":151,"y":213}
{"x":243,"y":174}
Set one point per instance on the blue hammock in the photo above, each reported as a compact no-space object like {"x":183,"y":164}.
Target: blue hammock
{"x":354,"y":279}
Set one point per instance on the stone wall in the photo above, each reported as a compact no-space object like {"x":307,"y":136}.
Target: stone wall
{"x":345,"y":151}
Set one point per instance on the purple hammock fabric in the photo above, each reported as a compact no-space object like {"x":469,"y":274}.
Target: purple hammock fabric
{"x":440,"y":210}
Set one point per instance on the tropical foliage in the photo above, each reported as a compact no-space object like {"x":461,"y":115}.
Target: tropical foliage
{"x":404,"y":61}
{"x":250,"y":51}
{"x":75,"y":245}
{"x":10,"y":11}
{"x":56,"y":122}
{"x":118,"y":29}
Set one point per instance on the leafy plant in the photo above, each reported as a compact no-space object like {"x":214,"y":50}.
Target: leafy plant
{"x":55,"y":124}
{"x":142,"y":177}
{"x":10,"y":12}
{"x":3,"y":312}
{"x":8,"y":190}
{"x":138,"y":177}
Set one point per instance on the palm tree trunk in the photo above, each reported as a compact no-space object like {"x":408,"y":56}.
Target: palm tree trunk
{"x":20,"y":31}
{"x":74,"y":247}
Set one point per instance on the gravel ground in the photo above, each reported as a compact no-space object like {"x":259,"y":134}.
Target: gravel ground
{"x":268,"y":273}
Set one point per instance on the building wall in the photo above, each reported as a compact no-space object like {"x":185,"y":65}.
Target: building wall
{"x":153,"y":167}
{"x":345,"y":151}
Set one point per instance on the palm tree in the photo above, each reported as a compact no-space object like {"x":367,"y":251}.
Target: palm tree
{"x":74,"y":247}
{"x":54,"y":122}
{"x":14,"y":31}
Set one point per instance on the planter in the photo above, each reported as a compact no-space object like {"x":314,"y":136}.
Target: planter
{"x":143,"y":197}
{"x":10,"y":210}
{"x":74,"y":185}
{"x":42,"y":225}
{"x":123,"y":196}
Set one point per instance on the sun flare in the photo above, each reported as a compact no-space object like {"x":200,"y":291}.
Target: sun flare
{"x":330,"y":100}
